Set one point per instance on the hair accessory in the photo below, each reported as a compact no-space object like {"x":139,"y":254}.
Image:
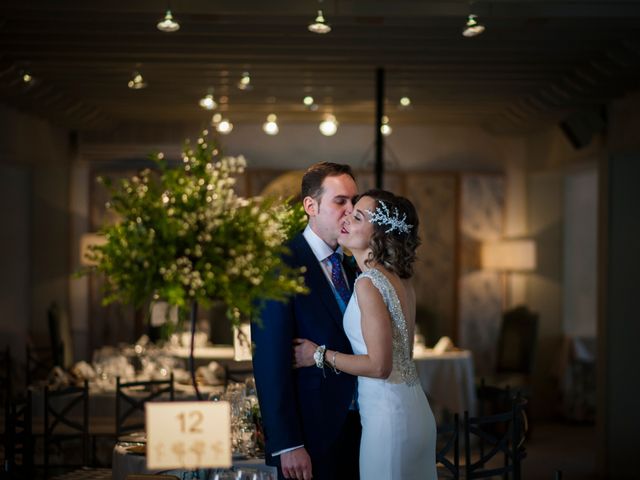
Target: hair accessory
{"x":382,"y":216}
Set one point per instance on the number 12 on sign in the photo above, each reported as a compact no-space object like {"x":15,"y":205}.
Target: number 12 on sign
{"x":188,"y":435}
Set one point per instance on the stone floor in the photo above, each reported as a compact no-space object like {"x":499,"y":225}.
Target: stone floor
{"x":568,"y":447}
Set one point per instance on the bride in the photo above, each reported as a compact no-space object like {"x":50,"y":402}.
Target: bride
{"x":398,"y":427}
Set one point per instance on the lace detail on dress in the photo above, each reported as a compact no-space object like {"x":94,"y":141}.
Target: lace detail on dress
{"x":404,"y":370}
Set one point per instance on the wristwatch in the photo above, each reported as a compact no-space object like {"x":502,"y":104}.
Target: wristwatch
{"x":318,"y":355}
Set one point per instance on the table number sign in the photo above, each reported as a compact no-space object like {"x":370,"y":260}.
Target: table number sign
{"x":242,"y":343}
{"x":188,"y":434}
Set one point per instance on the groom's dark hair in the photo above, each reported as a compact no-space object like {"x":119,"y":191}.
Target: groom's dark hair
{"x":315,"y":175}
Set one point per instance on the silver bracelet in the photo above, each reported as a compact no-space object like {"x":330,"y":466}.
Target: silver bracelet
{"x":318,"y":355}
{"x":333,"y":363}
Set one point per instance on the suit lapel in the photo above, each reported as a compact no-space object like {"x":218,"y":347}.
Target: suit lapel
{"x":317,"y":280}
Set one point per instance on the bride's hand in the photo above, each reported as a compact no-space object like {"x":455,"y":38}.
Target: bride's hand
{"x":303,"y":351}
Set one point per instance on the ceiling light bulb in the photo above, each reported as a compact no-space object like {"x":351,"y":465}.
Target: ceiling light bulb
{"x":137,"y":81}
{"x":216,"y":119}
{"x":168,"y":24}
{"x":245,"y":82}
{"x":319,"y":25}
{"x":405,"y":101}
{"x":27,"y":77}
{"x":270,"y":127}
{"x":472,"y":27}
{"x":224,"y":126}
{"x":207,"y":102}
{"x":329,"y":126}
{"x":308,"y":100}
{"x":385,"y":129}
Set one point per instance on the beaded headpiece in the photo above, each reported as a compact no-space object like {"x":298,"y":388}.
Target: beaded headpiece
{"x":382,"y":216}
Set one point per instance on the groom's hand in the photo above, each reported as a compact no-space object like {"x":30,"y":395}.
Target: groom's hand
{"x":296,"y":464}
{"x":303,"y":351}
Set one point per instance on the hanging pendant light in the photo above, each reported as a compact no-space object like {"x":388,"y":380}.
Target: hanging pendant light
{"x":27,"y":77}
{"x":137,"y":81}
{"x":270,"y":127}
{"x":245,"y":82}
{"x":405,"y":102}
{"x":385,"y":128}
{"x":329,"y":126}
{"x":208,"y":102}
{"x":319,"y":25}
{"x":168,"y":24}
{"x":472,"y":27}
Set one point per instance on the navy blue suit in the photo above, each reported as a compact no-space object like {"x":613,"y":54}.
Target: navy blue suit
{"x":301,"y":406}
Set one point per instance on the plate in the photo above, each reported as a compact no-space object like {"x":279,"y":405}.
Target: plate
{"x":134,"y":437}
{"x":137,"y":449}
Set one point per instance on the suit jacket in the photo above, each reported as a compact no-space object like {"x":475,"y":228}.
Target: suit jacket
{"x":301,"y":406}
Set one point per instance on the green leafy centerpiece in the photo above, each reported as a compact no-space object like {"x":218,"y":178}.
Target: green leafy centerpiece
{"x":185,"y":237}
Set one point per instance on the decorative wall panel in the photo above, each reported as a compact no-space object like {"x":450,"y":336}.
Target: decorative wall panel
{"x":480,"y":294}
{"x":435,"y":198}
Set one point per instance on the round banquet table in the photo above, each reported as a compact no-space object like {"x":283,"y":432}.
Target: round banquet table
{"x":448,"y":380}
{"x":125,"y":462}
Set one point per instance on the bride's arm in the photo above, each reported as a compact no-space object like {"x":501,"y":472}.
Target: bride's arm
{"x":376,"y":330}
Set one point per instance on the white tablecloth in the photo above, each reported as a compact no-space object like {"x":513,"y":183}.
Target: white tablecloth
{"x":448,"y":380}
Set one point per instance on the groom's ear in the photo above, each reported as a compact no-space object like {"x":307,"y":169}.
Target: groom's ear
{"x":310,"y":206}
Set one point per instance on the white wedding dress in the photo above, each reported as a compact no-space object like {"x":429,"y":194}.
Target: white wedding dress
{"x":398,"y":427}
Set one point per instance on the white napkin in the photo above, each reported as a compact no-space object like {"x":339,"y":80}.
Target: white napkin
{"x":83,"y":371}
{"x":444,"y":345}
{"x":212,"y":374}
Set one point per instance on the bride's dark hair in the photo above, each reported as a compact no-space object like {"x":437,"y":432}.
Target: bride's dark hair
{"x":395,"y":250}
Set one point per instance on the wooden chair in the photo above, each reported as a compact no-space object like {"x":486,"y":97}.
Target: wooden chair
{"x":131,"y":397}
{"x":495,"y":435}
{"x":18,"y":439}
{"x":448,"y":443}
{"x":517,"y":343}
{"x":66,"y":419}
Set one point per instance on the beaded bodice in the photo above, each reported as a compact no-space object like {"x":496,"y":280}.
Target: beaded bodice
{"x":404,"y":370}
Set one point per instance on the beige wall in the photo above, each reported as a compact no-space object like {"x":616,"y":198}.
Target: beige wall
{"x":549,"y":158}
{"x":40,"y":153}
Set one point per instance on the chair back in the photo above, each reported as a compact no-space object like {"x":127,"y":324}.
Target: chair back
{"x":448,"y":449}
{"x":517,"y":341}
{"x":493,"y":399}
{"x":66,"y":419}
{"x":18,"y":438}
{"x":497,"y":435}
{"x":39,"y":363}
{"x":130,"y":400}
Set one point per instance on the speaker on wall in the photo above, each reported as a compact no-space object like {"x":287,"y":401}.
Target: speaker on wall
{"x":580,"y":127}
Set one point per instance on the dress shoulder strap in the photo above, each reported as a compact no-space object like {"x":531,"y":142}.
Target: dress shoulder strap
{"x":380,"y":281}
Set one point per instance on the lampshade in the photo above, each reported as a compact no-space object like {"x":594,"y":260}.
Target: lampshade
{"x":87,"y":240}
{"x":509,"y":255}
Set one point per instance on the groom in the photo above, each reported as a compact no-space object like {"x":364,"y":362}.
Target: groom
{"x":312,"y":427}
